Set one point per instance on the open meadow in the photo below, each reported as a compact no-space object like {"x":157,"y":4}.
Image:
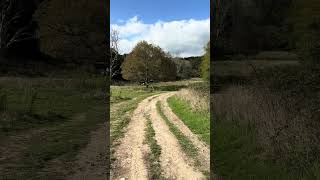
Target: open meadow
{"x":261,"y":124}
{"x":47,"y":123}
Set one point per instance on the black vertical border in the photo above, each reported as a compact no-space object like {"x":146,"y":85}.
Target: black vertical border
{"x":106,"y":10}
{"x":211,"y":87}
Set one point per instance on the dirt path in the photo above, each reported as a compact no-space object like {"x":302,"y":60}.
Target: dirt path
{"x":203,"y":149}
{"x":12,"y":149}
{"x":92,"y":160}
{"x":174,"y":163}
{"x":130,"y":153}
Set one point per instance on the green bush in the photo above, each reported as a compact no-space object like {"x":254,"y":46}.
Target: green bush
{"x":205,"y":65}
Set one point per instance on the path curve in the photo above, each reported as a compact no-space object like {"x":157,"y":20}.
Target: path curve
{"x":130,"y":154}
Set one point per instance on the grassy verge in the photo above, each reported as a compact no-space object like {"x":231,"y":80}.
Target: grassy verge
{"x":153,"y":158}
{"x":185,"y":143}
{"x":126,"y":93}
{"x":198,"y":122}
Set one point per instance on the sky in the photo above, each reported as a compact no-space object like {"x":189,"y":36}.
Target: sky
{"x":179,"y":27}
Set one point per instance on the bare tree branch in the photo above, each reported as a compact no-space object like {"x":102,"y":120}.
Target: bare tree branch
{"x":114,"y":61}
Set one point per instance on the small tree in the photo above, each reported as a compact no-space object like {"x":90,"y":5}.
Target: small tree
{"x":205,"y":65}
{"x":115,"y":61}
{"x":147,"y":62}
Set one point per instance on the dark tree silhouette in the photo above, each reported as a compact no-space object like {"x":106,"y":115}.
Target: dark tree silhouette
{"x":17,"y":27}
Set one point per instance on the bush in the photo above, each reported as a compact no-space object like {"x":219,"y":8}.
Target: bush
{"x":205,"y":65}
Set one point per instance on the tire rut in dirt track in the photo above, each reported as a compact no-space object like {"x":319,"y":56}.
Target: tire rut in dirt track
{"x":203,"y":149}
{"x":174,"y":162}
{"x":130,"y":153}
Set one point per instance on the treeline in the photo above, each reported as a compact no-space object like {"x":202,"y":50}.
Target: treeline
{"x":249,"y":26}
{"x":150,"y":62}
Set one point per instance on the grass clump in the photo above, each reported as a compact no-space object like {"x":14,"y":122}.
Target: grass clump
{"x":153,"y":158}
{"x":185,"y":143}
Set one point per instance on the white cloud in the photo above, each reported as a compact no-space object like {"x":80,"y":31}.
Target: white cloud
{"x":181,"y":38}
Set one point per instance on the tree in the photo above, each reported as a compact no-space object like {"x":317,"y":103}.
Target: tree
{"x":115,"y":60}
{"x":74,"y":30}
{"x":249,"y":26}
{"x":17,"y":27}
{"x":148,"y":62}
{"x":184,"y":68}
{"x":221,"y":16}
{"x":205,"y":65}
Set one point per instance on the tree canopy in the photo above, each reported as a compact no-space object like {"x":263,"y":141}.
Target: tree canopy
{"x":146,"y":62}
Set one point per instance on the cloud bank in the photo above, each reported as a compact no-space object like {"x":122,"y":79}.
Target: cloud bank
{"x":181,"y":38}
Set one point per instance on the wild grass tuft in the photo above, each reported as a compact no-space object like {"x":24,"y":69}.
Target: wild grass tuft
{"x":153,"y":158}
{"x":185,"y":143}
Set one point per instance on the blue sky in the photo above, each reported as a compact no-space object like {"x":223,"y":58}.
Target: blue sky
{"x":181,"y":27}
{"x":151,"y":11}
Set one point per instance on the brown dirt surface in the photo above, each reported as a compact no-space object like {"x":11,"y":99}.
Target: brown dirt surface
{"x":130,"y":154}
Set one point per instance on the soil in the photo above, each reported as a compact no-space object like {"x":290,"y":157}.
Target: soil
{"x":130,"y":161}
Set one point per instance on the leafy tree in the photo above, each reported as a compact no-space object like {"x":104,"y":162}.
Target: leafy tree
{"x":74,"y":30}
{"x":148,"y":62}
{"x":249,"y":26}
{"x":184,"y":68}
{"x":205,"y":65}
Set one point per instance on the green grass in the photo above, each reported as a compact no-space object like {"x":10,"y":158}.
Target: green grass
{"x":57,"y":123}
{"x":236,"y":154}
{"x":153,"y":158}
{"x":197,"y":122}
{"x":125,"y":93}
{"x":185,"y":143}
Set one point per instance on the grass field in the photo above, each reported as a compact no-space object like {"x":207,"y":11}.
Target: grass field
{"x":238,"y":156}
{"x":46,"y":122}
{"x":260,"y":132}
